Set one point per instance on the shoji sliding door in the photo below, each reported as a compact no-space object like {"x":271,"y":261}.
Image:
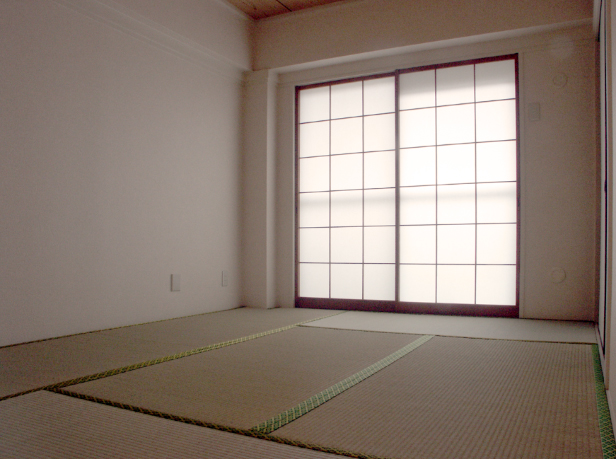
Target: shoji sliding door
{"x":407,"y":190}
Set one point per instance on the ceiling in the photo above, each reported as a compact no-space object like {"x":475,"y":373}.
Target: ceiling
{"x":259,"y":9}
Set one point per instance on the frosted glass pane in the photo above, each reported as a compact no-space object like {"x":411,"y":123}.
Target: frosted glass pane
{"x":456,"y":204}
{"x":314,"y":139}
{"x":379,"y":96}
{"x":380,"y":245}
{"x":495,"y":80}
{"x":347,"y":172}
{"x":455,"y":85}
{"x":379,"y":132}
{"x":346,"y":245}
{"x":418,"y":166}
{"x":314,"y":209}
{"x":418,"y":205}
{"x":379,"y":207}
{"x":346,"y":281}
{"x":456,"y":164}
{"x":347,"y":208}
{"x":313,"y":280}
{"x":455,"y":124}
{"x":496,"y":120}
{"x":496,"y":285}
{"x":380,"y":169}
{"x":314,"y":104}
{"x":314,"y":174}
{"x":456,"y":244}
{"x":417,"y":283}
{"x":346,"y":100}
{"x":417,"y":128}
{"x":380,"y":282}
{"x":455,"y":284}
{"x":417,"y":90}
{"x":314,"y":245}
{"x":496,"y":161}
{"x":418,"y":244}
{"x":496,"y":244}
{"x":347,"y":136}
{"x":496,"y":203}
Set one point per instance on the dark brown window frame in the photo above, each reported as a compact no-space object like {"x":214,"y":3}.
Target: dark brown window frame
{"x":397,"y":305}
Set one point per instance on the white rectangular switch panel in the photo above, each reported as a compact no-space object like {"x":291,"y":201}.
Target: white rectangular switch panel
{"x":225,"y":278}
{"x":175,"y":282}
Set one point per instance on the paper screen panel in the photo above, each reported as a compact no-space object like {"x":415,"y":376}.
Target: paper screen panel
{"x":379,"y":96}
{"x":314,"y":245}
{"x":418,"y":283}
{"x":496,"y":161}
{"x":346,"y":245}
{"x":347,"y":173}
{"x":495,"y":80}
{"x":346,"y":281}
{"x":314,"y":104}
{"x":380,"y":169}
{"x":456,"y":244}
{"x":496,"y":203}
{"x":456,"y":164}
{"x":314,"y":280}
{"x":418,"y":166}
{"x":496,"y":285}
{"x":418,"y":128}
{"x":313,"y":209}
{"x":456,"y":284}
{"x":314,"y":174}
{"x":314,"y":139}
{"x":379,"y":282}
{"x":379,"y":132}
{"x":455,"y":124}
{"x":380,"y":244}
{"x":417,"y":90}
{"x":418,"y":244}
{"x":496,"y":244}
{"x":418,"y":205}
{"x":380,"y":207}
{"x":346,"y":136}
{"x":496,"y":120}
{"x":455,"y":85}
{"x":346,"y":100}
{"x":347,"y":208}
{"x":456,"y":204}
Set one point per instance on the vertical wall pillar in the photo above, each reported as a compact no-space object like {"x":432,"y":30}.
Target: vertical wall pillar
{"x":258,"y":190}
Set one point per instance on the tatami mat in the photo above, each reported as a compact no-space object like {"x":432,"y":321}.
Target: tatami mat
{"x":466,"y":327}
{"x":250,"y":382}
{"x":33,"y":365}
{"x":52,"y":426}
{"x":467,"y":399}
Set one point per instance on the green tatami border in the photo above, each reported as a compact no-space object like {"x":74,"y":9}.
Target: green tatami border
{"x":209,"y":425}
{"x":606,"y":430}
{"x":147,"y":363}
{"x":313,"y":402}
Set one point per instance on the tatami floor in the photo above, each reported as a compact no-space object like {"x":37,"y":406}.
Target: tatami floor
{"x":299,"y":383}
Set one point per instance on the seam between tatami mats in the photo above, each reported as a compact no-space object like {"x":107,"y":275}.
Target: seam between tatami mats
{"x":147,"y":363}
{"x":608,"y":444}
{"x":322,"y":397}
{"x":448,"y":336}
{"x":209,"y":425}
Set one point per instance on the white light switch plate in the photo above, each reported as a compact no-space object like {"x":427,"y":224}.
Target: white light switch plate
{"x":175,"y":282}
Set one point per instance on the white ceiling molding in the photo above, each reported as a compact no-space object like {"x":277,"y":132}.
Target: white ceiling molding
{"x":139,"y":27}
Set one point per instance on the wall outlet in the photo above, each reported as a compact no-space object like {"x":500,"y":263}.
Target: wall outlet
{"x":175,"y":282}
{"x":225,"y":278}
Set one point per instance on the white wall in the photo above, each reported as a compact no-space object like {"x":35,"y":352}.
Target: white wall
{"x":364,"y":26}
{"x":558,"y":162}
{"x":119,"y":164}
